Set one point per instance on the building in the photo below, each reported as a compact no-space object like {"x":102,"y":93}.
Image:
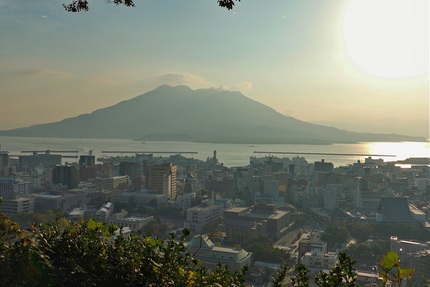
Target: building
{"x":323,"y":166}
{"x":135,"y":223}
{"x":134,"y":171}
{"x":66,"y":175}
{"x":17,"y":205}
{"x":162,"y":179}
{"x":87,"y":160}
{"x":203,"y":218}
{"x":210,"y":255}
{"x":420,"y":261}
{"x":11,"y":187}
{"x":66,"y":202}
{"x":263,"y":217}
{"x":405,"y":247}
{"x":318,"y":259}
{"x":47,"y":160}
{"x":395,"y":210}
{"x":114,"y":182}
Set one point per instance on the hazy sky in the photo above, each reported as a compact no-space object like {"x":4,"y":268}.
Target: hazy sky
{"x":360,"y":65}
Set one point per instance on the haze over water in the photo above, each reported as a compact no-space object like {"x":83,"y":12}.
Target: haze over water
{"x":229,"y":154}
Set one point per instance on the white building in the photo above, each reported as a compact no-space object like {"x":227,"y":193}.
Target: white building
{"x":318,"y":259}
{"x":203,"y":218}
{"x":210,"y":255}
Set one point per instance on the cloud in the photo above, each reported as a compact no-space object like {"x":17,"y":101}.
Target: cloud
{"x":175,"y":79}
{"x":244,"y":86}
{"x":33,"y":72}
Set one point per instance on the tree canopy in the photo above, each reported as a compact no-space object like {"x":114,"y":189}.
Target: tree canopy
{"x":83,"y":5}
{"x":91,"y":253}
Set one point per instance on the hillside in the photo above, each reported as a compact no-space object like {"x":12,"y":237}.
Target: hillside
{"x":204,"y":115}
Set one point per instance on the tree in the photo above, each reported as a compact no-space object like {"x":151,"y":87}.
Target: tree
{"x":391,"y":271}
{"x":90,"y":253}
{"x":343,"y":274}
{"x":83,"y":5}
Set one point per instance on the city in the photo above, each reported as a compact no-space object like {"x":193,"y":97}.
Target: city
{"x":272,"y":211}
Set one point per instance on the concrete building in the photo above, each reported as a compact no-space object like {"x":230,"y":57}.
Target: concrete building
{"x":210,"y":255}
{"x":262,"y":217}
{"x":162,"y":179}
{"x":44,"y":202}
{"x":12,"y":187}
{"x":110,"y":183}
{"x":67,"y":175}
{"x":87,"y":160}
{"x":122,"y":220}
{"x":47,"y":160}
{"x":318,"y":259}
{"x":17,"y":205}
{"x":323,"y":166}
{"x":203,"y":218}
{"x":104,"y":212}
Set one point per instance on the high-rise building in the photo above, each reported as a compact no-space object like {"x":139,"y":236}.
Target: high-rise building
{"x":162,"y":179}
{"x":35,"y":160}
{"x":4,"y":159}
{"x":87,"y":160}
{"x":12,"y":187}
{"x":66,"y":175}
{"x":132,"y":169}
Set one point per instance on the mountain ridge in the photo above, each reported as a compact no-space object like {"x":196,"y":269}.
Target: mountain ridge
{"x":203,"y":115}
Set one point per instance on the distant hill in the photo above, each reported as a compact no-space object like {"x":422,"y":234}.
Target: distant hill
{"x":204,"y":115}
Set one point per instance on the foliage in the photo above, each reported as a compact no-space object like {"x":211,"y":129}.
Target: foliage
{"x":391,"y":271}
{"x":263,"y":250}
{"x":280,"y":275}
{"x":343,"y":274}
{"x":83,"y":5}
{"x":369,"y":251}
{"x":91,"y":253}
{"x":337,"y":233}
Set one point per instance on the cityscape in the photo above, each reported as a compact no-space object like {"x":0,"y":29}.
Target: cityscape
{"x":220,"y":143}
{"x":307,"y":211}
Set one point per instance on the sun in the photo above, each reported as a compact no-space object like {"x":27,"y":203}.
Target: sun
{"x":388,"y":38}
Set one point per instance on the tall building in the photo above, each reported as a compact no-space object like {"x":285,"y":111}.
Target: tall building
{"x":162,"y":179}
{"x":134,"y":171}
{"x":12,"y":187}
{"x":66,"y":175}
{"x":35,"y":160}
{"x":87,"y":160}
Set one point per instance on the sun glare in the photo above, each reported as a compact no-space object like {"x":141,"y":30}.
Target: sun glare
{"x":388,"y":38}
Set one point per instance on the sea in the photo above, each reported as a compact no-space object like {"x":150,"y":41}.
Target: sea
{"x":231,"y":155}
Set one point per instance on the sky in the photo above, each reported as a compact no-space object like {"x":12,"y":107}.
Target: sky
{"x":360,"y":65}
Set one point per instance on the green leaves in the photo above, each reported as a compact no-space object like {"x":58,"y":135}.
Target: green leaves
{"x":87,"y":254}
{"x":391,"y":271}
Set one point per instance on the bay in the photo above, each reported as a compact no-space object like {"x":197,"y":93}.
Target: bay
{"x":230,"y":155}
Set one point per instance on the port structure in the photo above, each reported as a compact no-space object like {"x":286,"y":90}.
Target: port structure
{"x":143,"y":152}
{"x":48,"y":152}
{"x":325,"y":153}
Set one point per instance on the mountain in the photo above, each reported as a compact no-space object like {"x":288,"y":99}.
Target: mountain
{"x":205,"y":115}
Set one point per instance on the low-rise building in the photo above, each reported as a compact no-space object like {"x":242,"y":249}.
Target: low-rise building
{"x":210,"y":255}
{"x":203,"y":218}
{"x":11,"y":206}
{"x":260,"y":218}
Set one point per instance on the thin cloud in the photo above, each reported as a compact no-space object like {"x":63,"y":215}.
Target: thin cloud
{"x":175,"y":79}
{"x":244,"y":86}
{"x":29,"y":72}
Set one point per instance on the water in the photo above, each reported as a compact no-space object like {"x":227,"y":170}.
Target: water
{"x":229,"y":154}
